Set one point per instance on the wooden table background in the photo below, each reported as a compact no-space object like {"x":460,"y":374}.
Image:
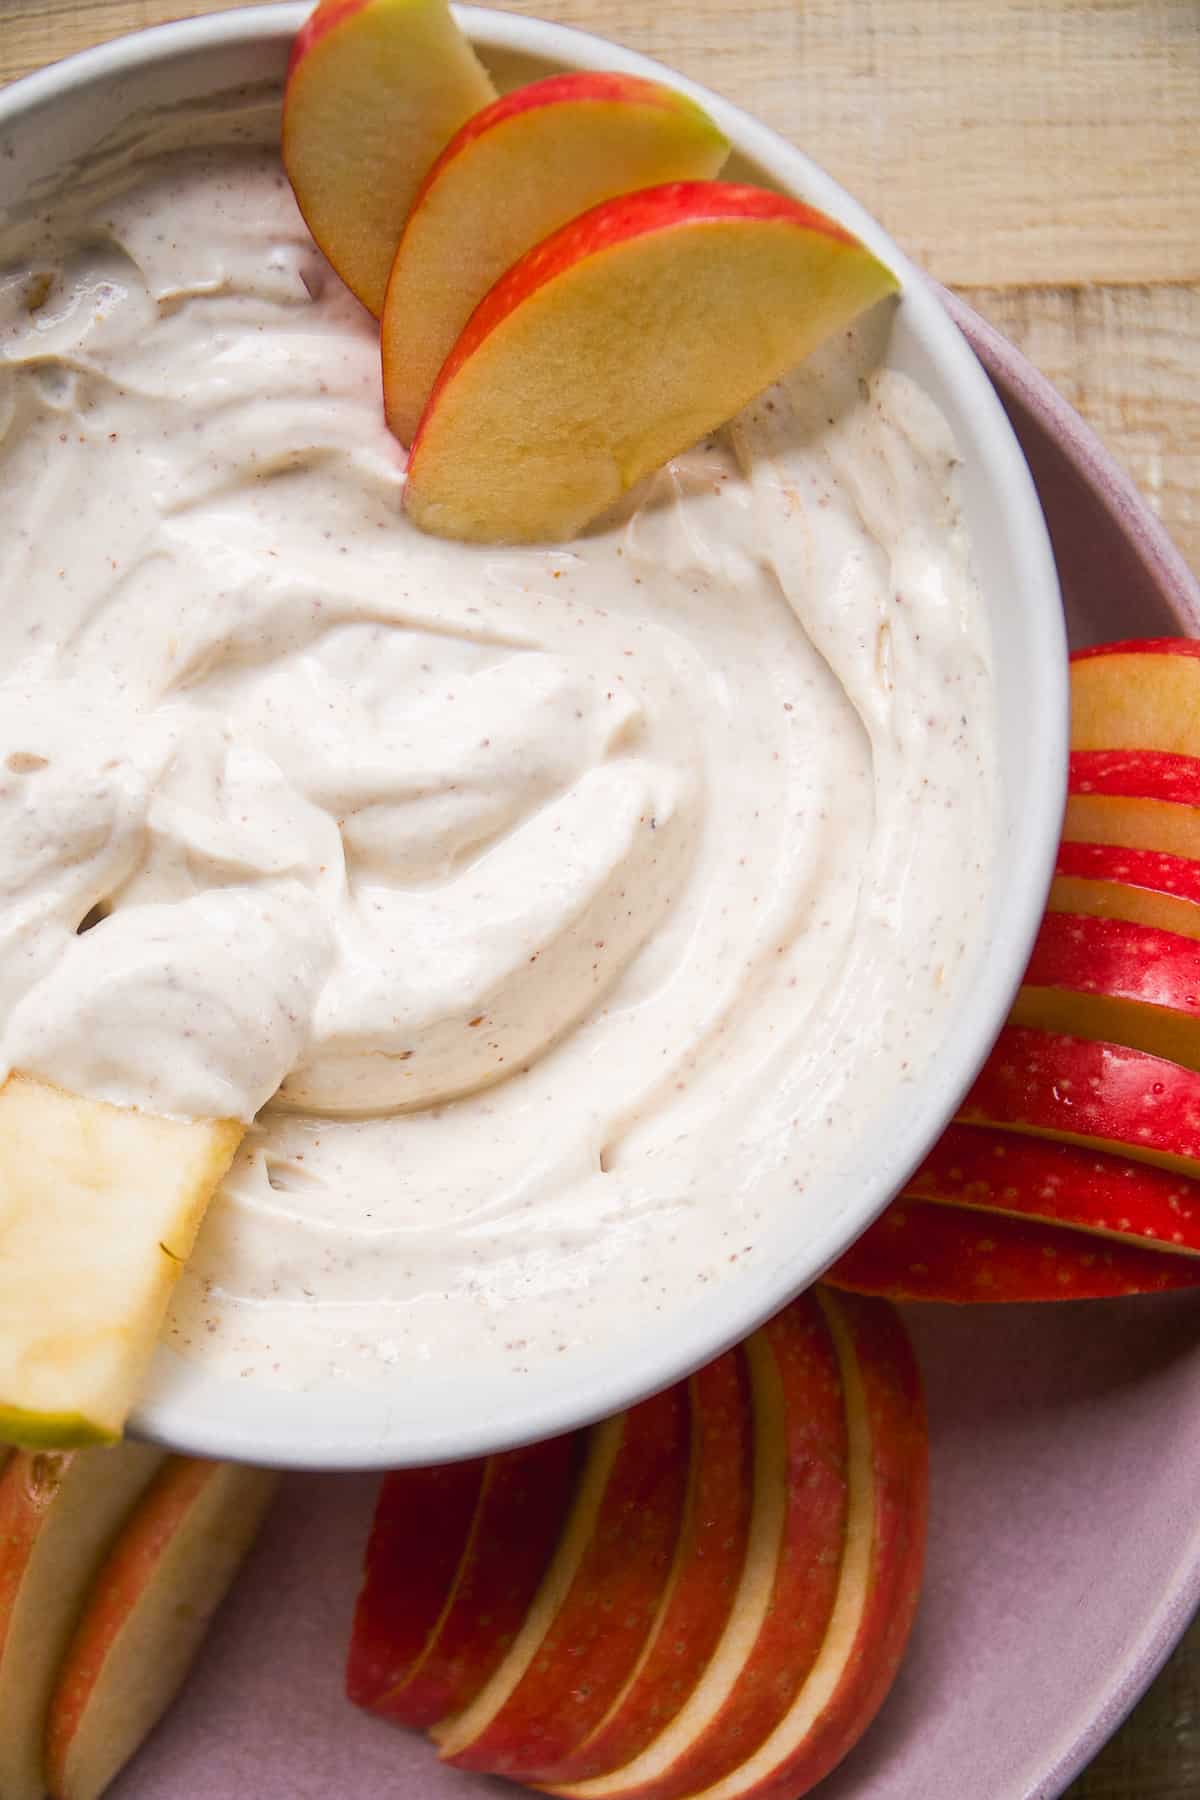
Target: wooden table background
{"x":1042,"y":157}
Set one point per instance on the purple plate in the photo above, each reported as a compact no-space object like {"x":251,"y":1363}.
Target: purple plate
{"x":1065,"y":1536}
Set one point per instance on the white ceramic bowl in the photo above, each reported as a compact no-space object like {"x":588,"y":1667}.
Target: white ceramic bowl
{"x":433,"y":1415}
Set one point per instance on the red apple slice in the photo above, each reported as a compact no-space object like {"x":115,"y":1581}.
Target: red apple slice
{"x":1144,"y":886}
{"x":1121,"y":983}
{"x":1140,"y":694}
{"x":419,"y":1537}
{"x":786,"y":1596}
{"x":595,"y":1608}
{"x":59,"y":1513}
{"x":523,"y":1506}
{"x":1139,"y":799}
{"x":375,"y":89}
{"x":1100,"y":1096}
{"x":147,"y":1615}
{"x":513,"y":174}
{"x":922,"y":1250}
{"x":1002,"y":1172}
{"x":880,"y":1572}
{"x":619,"y":341}
{"x":709,"y":1559}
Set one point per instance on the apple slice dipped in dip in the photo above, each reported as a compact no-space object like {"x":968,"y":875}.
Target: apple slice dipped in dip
{"x":617,"y":343}
{"x":513,"y":174}
{"x":375,"y":88}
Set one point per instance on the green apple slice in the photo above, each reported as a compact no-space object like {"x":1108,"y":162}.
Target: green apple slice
{"x":99,"y":1210}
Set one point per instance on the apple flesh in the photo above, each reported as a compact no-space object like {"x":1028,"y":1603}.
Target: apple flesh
{"x":1002,"y":1172}
{"x":59,"y":1513}
{"x":99,"y":1210}
{"x":375,"y":89}
{"x":1142,"y":694}
{"x":1097,"y":1095}
{"x":1146,"y":887}
{"x":788,"y":1585}
{"x":147,"y":1615}
{"x":922,"y":1250}
{"x":709,"y":1559}
{"x":1116,"y":982}
{"x":1137,"y":799}
{"x":581,"y":371}
{"x":523,"y":1500}
{"x":511,"y":176}
{"x":596,"y":1606}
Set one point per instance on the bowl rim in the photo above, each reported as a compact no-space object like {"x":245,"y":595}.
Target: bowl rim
{"x":197,"y":1413}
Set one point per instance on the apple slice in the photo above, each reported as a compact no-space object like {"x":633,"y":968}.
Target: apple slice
{"x":99,"y":1209}
{"x":1146,"y":887}
{"x":523,"y":1501}
{"x":513,"y":174}
{"x":1002,"y":1172}
{"x":879,"y":1576}
{"x":595,"y":1607}
{"x":59,"y":1512}
{"x":1141,"y":694}
{"x":618,"y":342}
{"x":1110,"y":980}
{"x":375,"y":89}
{"x":422,"y":1526}
{"x":146,"y":1617}
{"x":709,"y":1559}
{"x":1100,"y":1096}
{"x":922,"y":1250}
{"x":786,"y":1596}
{"x":1139,"y":799}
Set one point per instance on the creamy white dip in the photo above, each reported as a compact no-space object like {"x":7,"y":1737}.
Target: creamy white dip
{"x":555,"y":915}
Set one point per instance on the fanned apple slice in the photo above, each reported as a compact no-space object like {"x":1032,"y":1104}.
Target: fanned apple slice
{"x":514,"y":173}
{"x":58,"y":1516}
{"x":146,"y":1616}
{"x":1097,"y":1095}
{"x":1139,"y":694}
{"x":1135,"y":799}
{"x":1111,"y":980}
{"x":618,"y":342}
{"x":375,"y":89}
{"x":924,"y":1250}
{"x":99,"y":1210}
{"x":1147,"y":887}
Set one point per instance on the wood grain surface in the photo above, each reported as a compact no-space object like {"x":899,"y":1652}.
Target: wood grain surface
{"x":1040,"y":156}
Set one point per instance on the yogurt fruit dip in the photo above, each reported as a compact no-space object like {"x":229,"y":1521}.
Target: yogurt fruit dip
{"x":557,"y":915}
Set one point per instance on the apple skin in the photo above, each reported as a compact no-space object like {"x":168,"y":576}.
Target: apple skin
{"x":517,"y":171}
{"x":1139,"y":799}
{"x":576,"y":374}
{"x":1002,"y":1172}
{"x":1100,"y":1096}
{"x":1139,"y":694}
{"x":709,"y":1559}
{"x":1147,"y":887}
{"x":1116,"y":982}
{"x":146,"y":1616}
{"x":374,"y":90}
{"x":523,"y":1504}
{"x":923,"y":1250}
{"x":599,"y":1600}
{"x":419,"y":1536}
{"x":789,"y":1582}
{"x":59,"y":1513}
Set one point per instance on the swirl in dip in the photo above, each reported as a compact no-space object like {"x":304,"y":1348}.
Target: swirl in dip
{"x":560,"y":915}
